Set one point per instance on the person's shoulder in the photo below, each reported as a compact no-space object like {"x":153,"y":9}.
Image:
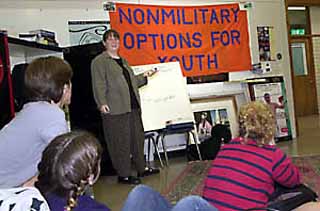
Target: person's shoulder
{"x":87,"y":203}
{"x":101,"y":60}
{"x":236,"y":140}
{"x":49,"y":108}
{"x":277,"y":150}
{"x":43,"y":107}
{"x":97,"y":58}
{"x":274,"y":104}
{"x":102,"y":56}
{"x":124,"y":60}
{"x":23,"y":198}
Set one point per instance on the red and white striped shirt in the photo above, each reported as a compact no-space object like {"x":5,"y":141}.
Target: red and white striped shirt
{"x":242,"y":176}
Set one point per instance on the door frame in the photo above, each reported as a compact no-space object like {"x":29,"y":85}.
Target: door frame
{"x":310,"y":65}
{"x":287,"y":4}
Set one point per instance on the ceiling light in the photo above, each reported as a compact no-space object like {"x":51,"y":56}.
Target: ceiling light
{"x":296,"y":8}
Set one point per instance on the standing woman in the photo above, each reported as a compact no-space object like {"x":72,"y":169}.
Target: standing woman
{"x":116,"y":93}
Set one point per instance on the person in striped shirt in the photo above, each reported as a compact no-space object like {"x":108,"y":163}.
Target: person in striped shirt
{"x":245,"y":171}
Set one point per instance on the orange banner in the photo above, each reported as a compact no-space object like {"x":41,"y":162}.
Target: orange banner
{"x":205,"y":40}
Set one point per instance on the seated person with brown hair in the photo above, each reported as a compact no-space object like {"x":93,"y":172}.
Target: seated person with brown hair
{"x":69,"y":164}
{"x":22,"y":140}
{"x":245,"y":171}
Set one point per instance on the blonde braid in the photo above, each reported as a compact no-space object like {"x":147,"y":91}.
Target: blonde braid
{"x":74,"y":195}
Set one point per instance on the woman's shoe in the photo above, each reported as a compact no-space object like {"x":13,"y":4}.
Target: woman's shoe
{"x":149,"y":171}
{"x":131,"y":180}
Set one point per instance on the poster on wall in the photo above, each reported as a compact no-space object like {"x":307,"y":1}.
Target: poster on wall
{"x":203,"y":39}
{"x":272,"y":92}
{"x":87,"y":32}
{"x":265,"y":43}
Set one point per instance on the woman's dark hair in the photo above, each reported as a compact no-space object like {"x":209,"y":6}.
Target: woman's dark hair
{"x":221,"y":133}
{"x":109,"y":33}
{"x":45,"y":79}
{"x":67,"y":164}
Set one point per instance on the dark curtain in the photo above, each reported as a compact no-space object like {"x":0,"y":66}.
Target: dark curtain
{"x":6,"y":94}
{"x":18,"y":85}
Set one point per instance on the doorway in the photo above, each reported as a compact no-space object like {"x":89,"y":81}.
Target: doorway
{"x":305,"y":93}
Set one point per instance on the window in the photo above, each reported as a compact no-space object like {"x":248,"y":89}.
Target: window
{"x":298,"y":20}
{"x":299,"y":58}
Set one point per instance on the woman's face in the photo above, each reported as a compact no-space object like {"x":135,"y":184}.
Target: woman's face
{"x":112,"y":43}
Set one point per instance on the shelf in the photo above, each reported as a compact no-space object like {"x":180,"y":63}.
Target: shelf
{"x":19,"y":47}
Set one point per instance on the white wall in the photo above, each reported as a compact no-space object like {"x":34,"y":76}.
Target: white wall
{"x":23,"y":16}
{"x":19,"y":16}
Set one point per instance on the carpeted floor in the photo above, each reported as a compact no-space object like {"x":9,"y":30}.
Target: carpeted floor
{"x":190,"y":181}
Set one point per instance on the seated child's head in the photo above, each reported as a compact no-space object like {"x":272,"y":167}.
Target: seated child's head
{"x":257,"y":122}
{"x":47,"y":78}
{"x":69,"y":164}
{"x":221,"y":133}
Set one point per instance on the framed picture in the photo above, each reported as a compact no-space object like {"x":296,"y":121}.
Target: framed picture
{"x":214,"y":110}
{"x":272,"y":92}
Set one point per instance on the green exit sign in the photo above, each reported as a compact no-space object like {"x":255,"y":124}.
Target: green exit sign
{"x":297,"y":31}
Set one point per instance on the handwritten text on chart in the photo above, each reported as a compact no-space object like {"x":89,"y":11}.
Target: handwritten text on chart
{"x":159,"y":99}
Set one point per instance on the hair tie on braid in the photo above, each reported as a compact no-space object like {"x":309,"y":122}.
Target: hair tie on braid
{"x":81,"y":187}
{"x":75,"y":193}
{"x":72,"y":202}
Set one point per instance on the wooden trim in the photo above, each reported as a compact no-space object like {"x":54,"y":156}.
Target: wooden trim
{"x":291,"y":69}
{"x":313,"y":67}
{"x":304,"y":36}
{"x":300,"y":36}
{"x":308,"y":21}
{"x":303,"y":2}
